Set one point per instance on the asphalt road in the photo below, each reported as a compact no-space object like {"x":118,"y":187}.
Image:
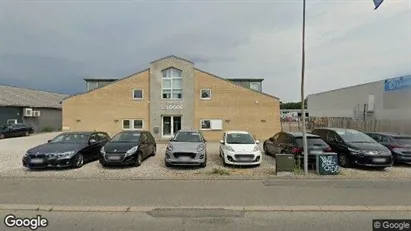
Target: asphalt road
{"x":184,"y":220}
{"x":204,"y":193}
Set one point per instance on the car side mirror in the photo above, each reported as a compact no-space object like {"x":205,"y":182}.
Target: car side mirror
{"x":221,"y":141}
{"x":257,"y":141}
{"x":92,"y":141}
{"x":48,"y":141}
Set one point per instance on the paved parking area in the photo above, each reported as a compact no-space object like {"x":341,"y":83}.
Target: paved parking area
{"x":12,"y":150}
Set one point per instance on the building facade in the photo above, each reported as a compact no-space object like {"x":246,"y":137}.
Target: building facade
{"x":171,"y":95}
{"x":38,"y":109}
{"x":387,"y":99}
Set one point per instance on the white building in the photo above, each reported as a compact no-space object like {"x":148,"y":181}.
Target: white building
{"x":385,"y":99}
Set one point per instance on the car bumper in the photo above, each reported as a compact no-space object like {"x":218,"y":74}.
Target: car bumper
{"x":124,"y":160}
{"x":47,"y":163}
{"x":374,"y":161}
{"x":194,"y":160}
{"x":402,"y":158}
{"x":233,"y":158}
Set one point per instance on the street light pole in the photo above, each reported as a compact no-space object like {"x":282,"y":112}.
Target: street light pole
{"x":302,"y":96}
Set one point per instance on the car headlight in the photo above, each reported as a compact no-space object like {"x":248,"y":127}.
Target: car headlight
{"x":256,"y":149}
{"x":370,"y":152}
{"x":356,"y":152}
{"x":170,"y":147}
{"x":200,"y":148}
{"x":102,"y":151}
{"x":65,"y":154}
{"x":229,"y":148}
{"x":131,"y":151}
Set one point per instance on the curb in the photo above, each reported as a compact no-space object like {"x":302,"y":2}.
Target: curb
{"x":114,"y":209}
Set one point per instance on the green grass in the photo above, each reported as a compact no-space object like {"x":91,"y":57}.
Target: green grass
{"x":219,"y":171}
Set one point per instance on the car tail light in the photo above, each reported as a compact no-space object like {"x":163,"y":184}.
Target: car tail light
{"x":296,"y":150}
{"x":328,"y":149}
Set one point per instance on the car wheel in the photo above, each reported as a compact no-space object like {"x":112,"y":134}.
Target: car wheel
{"x":78,"y":161}
{"x":139,"y":159}
{"x":2,"y":136}
{"x":343,"y":160}
{"x":154,"y":151}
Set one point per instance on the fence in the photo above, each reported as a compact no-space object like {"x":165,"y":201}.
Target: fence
{"x":371,"y":125}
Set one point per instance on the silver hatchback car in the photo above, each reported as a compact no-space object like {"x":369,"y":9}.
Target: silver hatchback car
{"x":187,"y":148}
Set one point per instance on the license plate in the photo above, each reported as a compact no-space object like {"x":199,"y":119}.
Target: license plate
{"x":114,"y":157}
{"x":379,"y":160}
{"x":184,"y":158}
{"x":36,"y":161}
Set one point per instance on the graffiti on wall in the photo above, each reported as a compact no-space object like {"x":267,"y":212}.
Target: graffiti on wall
{"x":329,"y":164}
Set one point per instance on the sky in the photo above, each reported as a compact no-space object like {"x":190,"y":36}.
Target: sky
{"x":52,"y":45}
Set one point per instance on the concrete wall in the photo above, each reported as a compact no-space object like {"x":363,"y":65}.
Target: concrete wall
{"x":158,"y":106}
{"x":49,"y":118}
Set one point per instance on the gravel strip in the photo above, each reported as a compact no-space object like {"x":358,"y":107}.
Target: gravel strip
{"x":11,"y":151}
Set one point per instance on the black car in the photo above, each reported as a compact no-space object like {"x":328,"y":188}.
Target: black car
{"x":71,"y":149}
{"x":14,"y":130}
{"x":355,"y":148}
{"x":128,"y":148}
{"x":399,"y":144}
{"x":292,"y":143}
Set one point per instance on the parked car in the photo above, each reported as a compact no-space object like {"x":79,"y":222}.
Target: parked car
{"x":14,"y":130}
{"x":292,"y":143}
{"x":70,"y":149}
{"x":355,"y":148}
{"x":399,"y":144}
{"x":239,"y":148}
{"x":187,"y":147}
{"x":128,"y":148}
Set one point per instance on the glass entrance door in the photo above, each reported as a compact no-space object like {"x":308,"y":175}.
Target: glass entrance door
{"x":170,"y":125}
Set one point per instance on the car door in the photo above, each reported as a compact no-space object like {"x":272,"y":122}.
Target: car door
{"x":93,"y":148}
{"x":103,"y":138}
{"x":335,"y":142}
{"x":271,"y":143}
{"x":144,"y":145}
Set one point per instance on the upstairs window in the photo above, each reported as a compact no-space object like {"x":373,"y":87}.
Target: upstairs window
{"x":255,"y":86}
{"x":137,"y":94}
{"x":172,"y":84}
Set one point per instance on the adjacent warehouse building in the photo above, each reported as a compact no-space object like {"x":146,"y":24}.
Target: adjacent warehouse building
{"x":387,"y":99}
{"x":38,"y":109}
{"x":170,"y":95}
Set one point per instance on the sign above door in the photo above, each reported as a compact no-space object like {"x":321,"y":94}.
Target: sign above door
{"x":172,"y":107}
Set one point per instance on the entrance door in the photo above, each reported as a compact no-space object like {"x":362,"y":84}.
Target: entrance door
{"x":170,"y":125}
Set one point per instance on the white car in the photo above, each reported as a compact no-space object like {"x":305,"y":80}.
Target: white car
{"x":239,"y":148}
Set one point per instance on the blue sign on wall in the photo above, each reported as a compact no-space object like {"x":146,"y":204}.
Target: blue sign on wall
{"x":398,"y":83}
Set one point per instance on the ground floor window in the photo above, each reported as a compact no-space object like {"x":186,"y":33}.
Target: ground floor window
{"x":211,"y":124}
{"x":133,"y":124}
{"x":170,"y":125}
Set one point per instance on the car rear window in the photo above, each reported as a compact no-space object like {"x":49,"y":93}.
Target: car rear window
{"x":311,"y":141}
{"x":403,"y":140}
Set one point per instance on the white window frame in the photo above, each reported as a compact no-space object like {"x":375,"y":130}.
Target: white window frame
{"x":132,"y":128}
{"x":201,"y":93}
{"x":142,"y":94}
{"x":172,"y":79}
{"x":212,"y":127}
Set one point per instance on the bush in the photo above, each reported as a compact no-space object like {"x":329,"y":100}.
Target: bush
{"x":47,"y":129}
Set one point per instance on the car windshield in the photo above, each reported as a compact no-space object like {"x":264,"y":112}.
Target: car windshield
{"x":352,"y":136}
{"x":403,"y":140}
{"x":187,"y":137}
{"x":71,"y":138}
{"x":126,"y":137}
{"x":240,"y":138}
{"x":311,"y":141}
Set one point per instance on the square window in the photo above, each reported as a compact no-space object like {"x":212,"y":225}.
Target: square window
{"x":205,"y":124}
{"x":166,"y":93}
{"x":255,"y":86}
{"x":205,"y":93}
{"x":137,"y":94}
{"x":138,"y":124}
{"x":177,"y":94}
{"x":177,"y":84}
{"x":126,"y":124}
{"x":166,"y":83}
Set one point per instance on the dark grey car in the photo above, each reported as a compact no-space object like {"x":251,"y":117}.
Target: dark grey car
{"x":188,"y":147}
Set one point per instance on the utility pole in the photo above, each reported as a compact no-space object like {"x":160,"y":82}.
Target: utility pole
{"x":303,"y":97}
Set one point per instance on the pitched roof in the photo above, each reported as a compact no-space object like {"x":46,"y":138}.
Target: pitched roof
{"x":23,"y":97}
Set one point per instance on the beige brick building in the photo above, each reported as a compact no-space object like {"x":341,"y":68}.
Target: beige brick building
{"x":171,"y":95}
